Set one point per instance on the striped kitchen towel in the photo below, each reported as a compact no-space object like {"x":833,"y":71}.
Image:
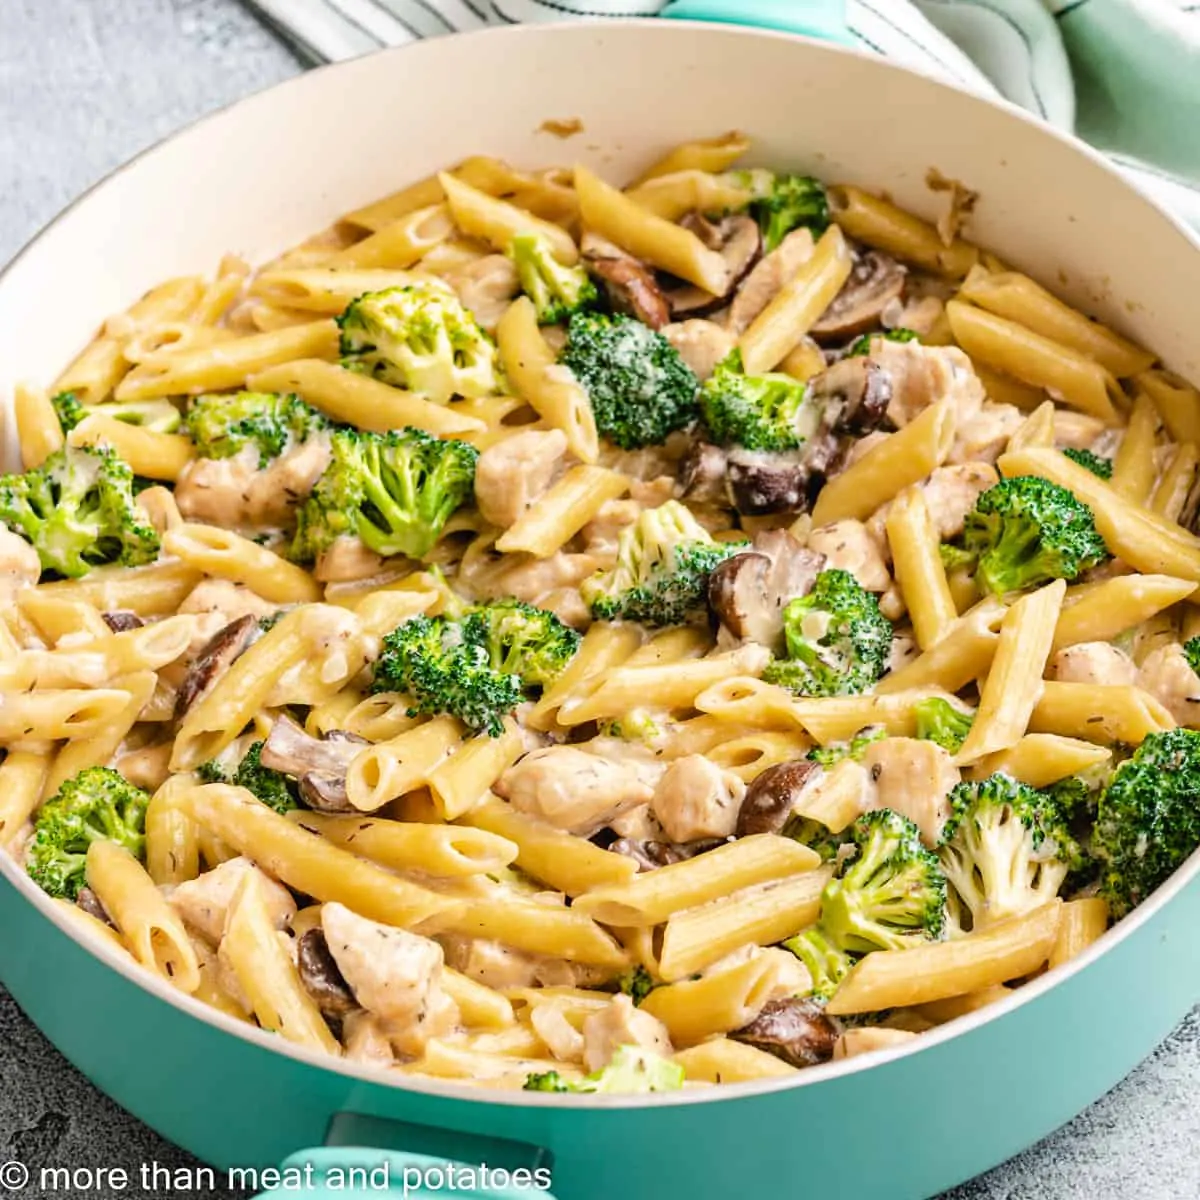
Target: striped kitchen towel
{"x":1120,"y":73}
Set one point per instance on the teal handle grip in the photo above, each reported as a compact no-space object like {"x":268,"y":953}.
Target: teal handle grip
{"x":824,"y":19}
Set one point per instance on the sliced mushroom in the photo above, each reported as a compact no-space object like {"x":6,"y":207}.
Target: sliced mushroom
{"x":772,"y":796}
{"x":325,"y":792}
{"x":702,"y":474}
{"x":795,"y":1030}
{"x":90,"y":903}
{"x":290,"y":750}
{"x":651,"y":854}
{"x":874,"y":282}
{"x":749,"y":591}
{"x":122,"y":620}
{"x":853,"y":394}
{"x":738,"y":240}
{"x":761,"y":482}
{"x":214,"y":660}
{"x":322,"y":978}
{"x":628,"y":282}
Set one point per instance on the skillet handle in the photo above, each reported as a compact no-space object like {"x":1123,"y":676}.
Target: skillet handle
{"x":824,"y":19}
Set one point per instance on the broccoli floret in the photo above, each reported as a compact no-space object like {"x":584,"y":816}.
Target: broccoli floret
{"x":521,"y":639}
{"x":1097,"y":464}
{"x":781,"y":203}
{"x":419,"y":337}
{"x":759,"y":412}
{"x":272,"y":787}
{"x":664,"y":560}
{"x":68,"y":409}
{"x":639,"y":387}
{"x":855,"y":748}
{"x":838,"y":641}
{"x":1005,"y":847}
{"x":78,"y":511}
{"x":637,"y":984}
{"x":96,"y":805}
{"x":818,"y":837}
{"x":395,"y":491}
{"x":1026,"y":531}
{"x":892,"y":893}
{"x":637,"y":725}
{"x":1148,"y":819}
{"x":827,"y":962}
{"x":862,"y":346}
{"x":223,"y":425}
{"x":1191,"y":651}
{"x":631,"y":1069}
{"x":160,"y":415}
{"x":557,"y":292}
{"x":942,"y":722}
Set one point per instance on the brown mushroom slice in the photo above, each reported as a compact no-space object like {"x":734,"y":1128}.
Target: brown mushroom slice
{"x":290,"y":750}
{"x":223,"y":648}
{"x":738,"y":240}
{"x":650,"y":854}
{"x":853,"y":395}
{"x":773,"y":795}
{"x":325,"y":792}
{"x":762,"y":482}
{"x":121,"y":620}
{"x":629,"y":284}
{"x":702,"y":474}
{"x":90,"y":903}
{"x":749,"y":591}
{"x":875,"y":280}
{"x":321,"y":976}
{"x":795,"y":1030}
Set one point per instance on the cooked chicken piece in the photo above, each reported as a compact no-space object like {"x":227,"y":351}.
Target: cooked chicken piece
{"x":204,"y":902}
{"x":551,"y":583}
{"x":791,"y":975}
{"x":229,"y":600}
{"x":1080,"y":432}
{"x":922,"y":375}
{"x":904,"y":650}
{"x":490,"y":963}
{"x":650,"y":462}
{"x":1166,"y":675}
{"x":562,"y":1039}
{"x":19,"y":562}
{"x":849,"y":546}
{"x":763,"y":283}
{"x":393,"y":973}
{"x":951,"y":492}
{"x":365,"y":1041}
{"x":409,"y":1037}
{"x":913,"y":777}
{"x":651,"y":493}
{"x":513,"y":473}
{"x":347,"y":558}
{"x":1094,"y":662}
{"x":920,"y":314}
{"x":983,"y":437}
{"x":619,"y":1024}
{"x":701,"y":344}
{"x":600,"y":534}
{"x":574,"y":790}
{"x":485,"y":287}
{"x":696,"y":799}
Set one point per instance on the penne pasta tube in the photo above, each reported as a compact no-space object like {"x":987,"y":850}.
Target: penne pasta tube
{"x":39,"y":433}
{"x":1110,"y":608}
{"x":562,"y":511}
{"x":704,"y":154}
{"x":797,"y":306}
{"x":1017,"y":298}
{"x":463,"y":780}
{"x":388,"y":770}
{"x":1177,"y":403}
{"x":325,"y":289}
{"x":675,"y":195}
{"x":92,"y":927}
{"x":1174,"y":486}
{"x":497,"y":221}
{"x":869,"y":1038}
{"x":1003,"y":389}
{"x":150,"y":591}
{"x":650,"y":898}
{"x":964,"y":653}
{"x":720,"y":1060}
{"x":1035,"y":360}
{"x":615,"y":216}
{"x":1082,"y":922}
{"x":172,"y":837}
{"x":1134,"y":468}
{"x":150,"y":453}
{"x":838,"y":797}
{"x":1103,"y":713}
{"x":22,"y":775}
{"x":1036,"y":430}
{"x":223,"y":554}
{"x":918,"y":567}
{"x":480,"y":1007}
{"x":399,"y":243}
{"x":900,"y":459}
{"x":149,"y":925}
{"x":941,"y":1011}
{"x":1002,"y":952}
{"x":1040,"y":759}
{"x":55,"y":714}
{"x":311,"y":864}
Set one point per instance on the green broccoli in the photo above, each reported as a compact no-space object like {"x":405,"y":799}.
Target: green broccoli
{"x":855,"y":748}
{"x":818,"y":837}
{"x":631,"y":1069}
{"x":827,"y":962}
{"x":781,"y":203}
{"x":637,"y":984}
{"x":68,"y":409}
{"x":557,"y":292}
{"x":96,"y":805}
{"x":759,"y":412}
{"x":1191,"y":651}
{"x":1027,"y":531}
{"x":419,"y":337}
{"x":637,"y":725}
{"x":272,"y":787}
{"x":1097,"y":464}
{"x":78,"y":511}
{"x":395,"y":491}
{"x":862,"y":345}
{"x":639,"y":387}
{"x":837,"y":640}
{"x":478,"y":668}
{"x":1005,"y":847}
{"x":223,"y":425}
{"x":1148,"y":819}
{"x":940,"y":721}
{"x":664,"y":560}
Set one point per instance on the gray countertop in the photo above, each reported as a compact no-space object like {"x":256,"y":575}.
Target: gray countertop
{"x":84,"y":84}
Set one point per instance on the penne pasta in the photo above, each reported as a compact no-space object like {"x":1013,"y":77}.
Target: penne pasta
{"x":1107,"y":610}
{"x":918,"y":568}
{"x":562,"y":511}
{"x":1040,"y":759}
{"x":1106,"y":713}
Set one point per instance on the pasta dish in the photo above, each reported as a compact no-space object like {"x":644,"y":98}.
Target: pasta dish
{"x":552,"y":635}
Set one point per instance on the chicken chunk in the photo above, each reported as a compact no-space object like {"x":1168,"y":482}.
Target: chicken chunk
{"x":1166,"y":675}
{"x":365,"y":1040}
{"x":513,"y":473}
{"x":574,"y":790}
{"x":701,"y":344}
{"x":983,"y":437}
{"x":951,"y":492}
{"x":490,"y":963}
{"x":696,"y":799}
{"x":849,"y":546}
{"x":394,"y":974}
{"x":204,"y":902}
{"x":769,"y":275}
{"x":912,"y":777}
{"x":228,"y":599}
{"x":19,"y":562}
{"x":619,"y":1024}
{"x":922,"y":375}
{"x":485,"y":287}
{"x":1093,"y":662}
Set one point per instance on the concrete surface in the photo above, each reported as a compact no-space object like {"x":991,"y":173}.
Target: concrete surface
{"x":84,"y":84}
